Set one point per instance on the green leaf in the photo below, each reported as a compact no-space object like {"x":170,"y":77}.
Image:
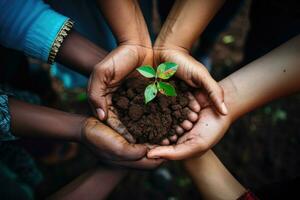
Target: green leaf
{"x":150,"y":92}
{"x":146,"y":71}
{"x":166,"y":89}
{"x":166,"y":70}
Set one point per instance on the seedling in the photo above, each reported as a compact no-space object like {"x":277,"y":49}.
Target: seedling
{"x":163,"y":72}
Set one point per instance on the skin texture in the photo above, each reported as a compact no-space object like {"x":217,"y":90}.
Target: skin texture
{"x":182,"y":28}
{"x":91,"y":185}
{"x":41,"y":122}
{"x":134,"y":49}
{"x":109,"y":74}
{"x":274,"y":75}
{"x":208,"y":173}
{"x":79,"y":54}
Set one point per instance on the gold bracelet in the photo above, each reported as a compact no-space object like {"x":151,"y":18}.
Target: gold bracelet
{"x":62,"y":34}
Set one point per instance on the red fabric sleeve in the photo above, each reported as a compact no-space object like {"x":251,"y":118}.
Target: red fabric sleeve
{"x":248,"y":196}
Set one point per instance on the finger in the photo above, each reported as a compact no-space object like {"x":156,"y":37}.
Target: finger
{"x":174,"y":152}
{"x":173,"y":138}
{"x":143,"y":163}
{"x":103,"y":138}
{"x":97,"y":97}
{"x":165,"y":142}
{"x":215,"y":93}
{"x":193,"y":103}
{"x":179,"y":130}
{"x":192,"y":117}
{"x":114,"y":122}
{"x":186,"y":125}
{"x":201,"y":98}
{"x":133,"y":151}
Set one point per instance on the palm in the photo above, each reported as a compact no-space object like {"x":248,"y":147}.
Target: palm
{"x":207,"y":131}
{"x":193,"y":73}
{"x":114,"y":148}
{"x":109,"y":73}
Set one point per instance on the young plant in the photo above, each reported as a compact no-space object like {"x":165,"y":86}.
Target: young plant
{"x":163,"y":72}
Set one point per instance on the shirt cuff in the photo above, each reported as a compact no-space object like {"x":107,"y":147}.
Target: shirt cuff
{"x":5,"y":133}
{"x":42,"y":34}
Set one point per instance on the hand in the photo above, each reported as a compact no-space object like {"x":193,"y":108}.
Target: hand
{"x":108,"y":74}
{"x":114,"y":148}
{"x":188,"y":123}
{"x":193,"y":73}
{"x":207,"y":131}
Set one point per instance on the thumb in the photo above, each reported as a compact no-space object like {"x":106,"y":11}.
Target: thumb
{"x":114,"y":122}
{"x":98,"y":100}
{"x":100,"y":105}
{"x":175,"y":152}
{"x":216,"y":94}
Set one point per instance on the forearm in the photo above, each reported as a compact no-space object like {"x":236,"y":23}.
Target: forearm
{"x":272,"y":76}
{"x":212,"y":178}
{"x":34,"y":121}
{"x":94,"y":184}
{"x":126,"y":21}
{"x":186,"y":22}
{"x":79,"y":54}
{"x":30,"y":26}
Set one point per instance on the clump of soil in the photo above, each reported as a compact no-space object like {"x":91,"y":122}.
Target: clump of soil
{"x":154,"y":121}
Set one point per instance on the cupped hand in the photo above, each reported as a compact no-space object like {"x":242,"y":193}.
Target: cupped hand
{"x":192,"y":72}
{"x":192,"y":117}
{"x":109,"y":73}
{"x":208,"y":130}
{"x":113,"y":148}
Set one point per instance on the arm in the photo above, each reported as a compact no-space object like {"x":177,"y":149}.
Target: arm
{"x":95,"y":184}
{"x":41,"y":122}
{"x":186,"y":21}
{"x":183,"y":26}
{"x":33,"y":121}
{"x":129,"y":27}
{"x":31,"y":26}
{"x":126,"y":21}
{"x":272,"y":76}
{"x":80,"y":54}
{"x":212,"y":178}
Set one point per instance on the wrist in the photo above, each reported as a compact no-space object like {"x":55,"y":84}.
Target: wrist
{"x":231,"y":99}
{"x":84,"y":125}
{"x":142,"y":41}
{"x":80,"y":54}
{"x":163,"y":45}
{"x":77,"y":122}
{"x":143,"y":53}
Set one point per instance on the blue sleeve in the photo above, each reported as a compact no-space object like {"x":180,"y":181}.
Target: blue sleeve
{"x":30,"y":26}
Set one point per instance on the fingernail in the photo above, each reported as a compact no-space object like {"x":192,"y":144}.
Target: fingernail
{"x":100,"y":113}
{"x":155,"y":157}
{"x":224,"y":109}
{"x":152,"y":156}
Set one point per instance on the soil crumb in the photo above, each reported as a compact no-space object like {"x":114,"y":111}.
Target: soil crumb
{"x":155,"y":121}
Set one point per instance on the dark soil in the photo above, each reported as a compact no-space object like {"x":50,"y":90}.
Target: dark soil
{"x":154,"y":121}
